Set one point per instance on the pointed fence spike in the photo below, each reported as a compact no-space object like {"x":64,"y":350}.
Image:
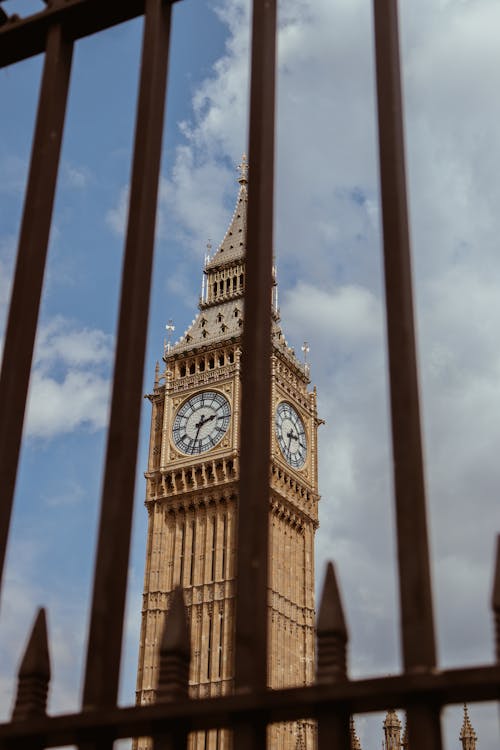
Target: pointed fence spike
{"x":34,"y":673}
{"x":331,"y":632}
{"x":175,"y":651}
{"x":495,"y":599}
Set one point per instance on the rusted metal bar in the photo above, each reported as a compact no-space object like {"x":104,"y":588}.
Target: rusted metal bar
{"x":110,"y":580}
{"x":333,"y":728}
{"x":30,"y":266}
{"x":25,"y":37}
{"x":253,"y":511}
{"x":359,"y":696}
{"x":419,"y":651}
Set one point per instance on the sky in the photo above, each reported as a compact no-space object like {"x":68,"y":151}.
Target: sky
{"x":328,"y":247}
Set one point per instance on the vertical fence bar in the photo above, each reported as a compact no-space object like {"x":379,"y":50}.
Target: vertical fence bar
{"x":110,"y":579}
{"x":253,"y":512}
{"x":30,"y":265}
{"x":419,"y":650}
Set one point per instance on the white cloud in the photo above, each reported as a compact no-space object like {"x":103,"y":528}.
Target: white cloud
{"x":116,"y":218}
{"x":73,"y":176}
{"x":69,"y":387}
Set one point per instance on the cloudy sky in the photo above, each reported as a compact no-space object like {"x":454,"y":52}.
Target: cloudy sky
{"x":328,"y":246}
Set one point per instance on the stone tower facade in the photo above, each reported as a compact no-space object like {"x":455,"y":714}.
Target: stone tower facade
{"x":192,"y":495}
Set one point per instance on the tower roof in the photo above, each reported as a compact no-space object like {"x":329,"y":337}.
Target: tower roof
{"x":221,"y":314}
{"x":233,"y":246}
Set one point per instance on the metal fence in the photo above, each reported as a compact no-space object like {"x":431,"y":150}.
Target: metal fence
{"x":422,"y":688}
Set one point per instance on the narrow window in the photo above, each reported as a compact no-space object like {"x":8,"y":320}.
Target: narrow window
{"x":201,"y":365}
{"x":214,"y":531}
{"x":211,"y":363}
{"x":183,"y":543}
{"x":228,"y":285}
{"x":192,"y":368}
{"x":231,"y":357}
{"x":193,"y":553}
{"x":241,"y":280}
{"x":183,"y":371}
{"x":221,"y":642}
{"x":221,"y":287}
{"x":224,"y":544}
{"x":209,"y":647}
{"x":221,"y":360}
{"x":234,"y":283}
{"x":215,"y":288}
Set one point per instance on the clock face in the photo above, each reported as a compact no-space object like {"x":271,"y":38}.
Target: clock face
{"x":201,"y":422}
{"x":291,"y":435}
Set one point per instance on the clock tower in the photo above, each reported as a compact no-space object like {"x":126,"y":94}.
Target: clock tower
{"x":192,"y":496}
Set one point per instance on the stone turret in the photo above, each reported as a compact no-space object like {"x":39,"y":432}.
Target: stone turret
{"x":392,"y":732}
{"x":467,"y":734}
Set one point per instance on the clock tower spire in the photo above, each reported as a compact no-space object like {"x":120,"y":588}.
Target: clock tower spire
{"x":192,"y":495}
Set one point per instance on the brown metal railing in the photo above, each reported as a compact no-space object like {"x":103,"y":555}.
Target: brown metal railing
{"x":421,"y":688}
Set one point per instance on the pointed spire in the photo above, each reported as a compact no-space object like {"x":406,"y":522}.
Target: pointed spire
{"x":34,"y":673}
{"x":355,"y":743}
{"x":243,"y":170}
{"x":495,"y":600}
{"x":331,"y":632}
{"x":157,"y":374}
{"x":175,"y":651}
{"x":467,"y":734}
{"x":392,"y":731}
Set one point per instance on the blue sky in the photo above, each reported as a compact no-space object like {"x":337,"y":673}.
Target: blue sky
{"x":327,"y":240}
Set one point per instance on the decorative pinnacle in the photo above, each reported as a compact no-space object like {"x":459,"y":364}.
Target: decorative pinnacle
{"x":305,"y":350}
{"x":175,"y":651}
{"x":355,"y":743}
{"x":170,"y":328}
{"x":243,"y":170}
{"x":34,"y":674}
{"x":467,"y":734}
{"x":331,"y":632}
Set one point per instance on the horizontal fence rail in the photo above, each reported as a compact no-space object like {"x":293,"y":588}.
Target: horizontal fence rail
{"x":423,"y":690}
{"x":454,"y":686}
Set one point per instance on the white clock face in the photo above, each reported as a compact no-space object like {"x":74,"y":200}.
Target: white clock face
{"x":201,"y":422}
{"x":291,"y":435}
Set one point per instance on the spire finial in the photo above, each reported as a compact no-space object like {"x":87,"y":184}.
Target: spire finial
{"x":467,"y":734}
{"x":243,"y":170}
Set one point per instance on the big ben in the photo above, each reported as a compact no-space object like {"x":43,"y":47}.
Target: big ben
{"x":192,"y":496}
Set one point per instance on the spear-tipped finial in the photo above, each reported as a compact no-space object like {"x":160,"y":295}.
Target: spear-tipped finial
{"x":331,"y":632}
{"x":34,"y":673}
{"x":175,"y":651}
{"x":495,"y":599}
{"x":243,"y":170}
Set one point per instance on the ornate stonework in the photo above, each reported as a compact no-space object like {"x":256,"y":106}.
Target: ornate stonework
{"x":192,"y":496}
